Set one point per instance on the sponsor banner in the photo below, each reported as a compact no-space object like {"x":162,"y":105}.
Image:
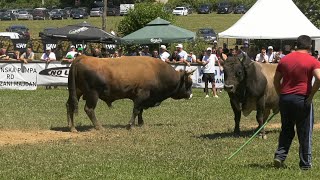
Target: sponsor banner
{"x":49,"y":43}
{"x":20,"y":44}
{"x":197,"y":76}
{"x":28,"y":76}
{"x":53,"y":73}
{"x":18,"y":76}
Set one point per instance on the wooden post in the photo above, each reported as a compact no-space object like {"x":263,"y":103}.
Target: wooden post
{"x":104,"y":15}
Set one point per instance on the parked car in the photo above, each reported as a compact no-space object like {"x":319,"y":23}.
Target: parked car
{"x":11,"y":35}
{"x":59,"y":15}
{"x":96,"y":12}
{"x":24,"y":15}
{"x":21,"y":29}
{"x":13,"y":11}
{"x":113,"y":11}
{"x":40,"y":14}
{"x":240,"y":9}
{"x":181,"y":11}
{"x":224,"y":8}
{"x":80,"y":14}
{"x":124,"y":8}
{"x":8,"y":16}
{"x":207,"y":34}
{"x":205,"y":9}
{"x":189,"y":7}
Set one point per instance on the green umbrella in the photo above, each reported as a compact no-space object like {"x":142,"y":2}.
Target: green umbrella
{"x":159,"y":31}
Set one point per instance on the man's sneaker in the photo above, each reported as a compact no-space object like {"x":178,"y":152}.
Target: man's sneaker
{"x":207,"y":96}
{"x":278,"y":163}
{"x":216,"y":96}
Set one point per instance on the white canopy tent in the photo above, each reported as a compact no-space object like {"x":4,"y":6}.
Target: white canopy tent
{"x":272,"y":19}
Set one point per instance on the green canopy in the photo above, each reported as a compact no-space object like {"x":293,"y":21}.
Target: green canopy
{"x":159,"y":31}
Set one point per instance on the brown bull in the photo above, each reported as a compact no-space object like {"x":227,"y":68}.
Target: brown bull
{"x":146,"y":81}
{"x":250,"y":87}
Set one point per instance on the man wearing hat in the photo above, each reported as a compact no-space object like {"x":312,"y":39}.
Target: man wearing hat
{"x":182,"y":55}
{"x":48,"y":55}
{"x":271,"y":55}
{"x":71,"y":54}
{"x":164,"y":55}
{"x":208,"y":62}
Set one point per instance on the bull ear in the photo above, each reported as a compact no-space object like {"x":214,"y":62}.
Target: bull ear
{"x":190,"y":72}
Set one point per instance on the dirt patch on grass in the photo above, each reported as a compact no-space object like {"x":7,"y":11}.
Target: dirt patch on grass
{"x":14,"y":137}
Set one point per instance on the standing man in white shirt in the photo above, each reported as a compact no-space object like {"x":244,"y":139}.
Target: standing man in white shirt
{"x":164,"y":55}
{"x":48,"y":56}
{"x":182,"y":55}
{"x":208,"y":62}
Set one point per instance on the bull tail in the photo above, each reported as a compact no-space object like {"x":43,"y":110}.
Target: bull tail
{"x":73,"y":99}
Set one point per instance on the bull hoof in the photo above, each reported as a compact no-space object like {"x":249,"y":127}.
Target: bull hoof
{"x":99,"y":128}
{"x":73,"y":130}
{"x":262,"y":136}
{"x":129,"y":126}
{"x":140,"y":124}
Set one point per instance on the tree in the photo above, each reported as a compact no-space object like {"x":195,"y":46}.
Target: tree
{"x":142,"y":14}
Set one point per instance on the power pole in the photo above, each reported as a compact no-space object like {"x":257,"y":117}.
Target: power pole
{"x":104,"y":15}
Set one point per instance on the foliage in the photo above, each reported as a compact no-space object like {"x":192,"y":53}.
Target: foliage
{"x":142,"y":14}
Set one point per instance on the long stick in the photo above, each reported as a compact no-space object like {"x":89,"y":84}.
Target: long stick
{"x":246,"y":143}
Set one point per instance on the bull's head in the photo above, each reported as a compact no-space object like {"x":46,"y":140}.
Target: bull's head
{"x":235,"y":70}
{"x":184,"y":90}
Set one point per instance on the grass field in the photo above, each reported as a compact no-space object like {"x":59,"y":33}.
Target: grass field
{"x":185,"y":139}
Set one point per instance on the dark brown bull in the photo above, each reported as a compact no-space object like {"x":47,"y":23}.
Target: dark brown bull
{"x":144,"y":80}
{"x":250,"y":87}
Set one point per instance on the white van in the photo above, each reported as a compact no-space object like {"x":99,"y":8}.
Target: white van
{"x":124,"y":8}
{"x":11,"y":35}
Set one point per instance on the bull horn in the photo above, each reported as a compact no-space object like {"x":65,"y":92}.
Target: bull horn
{"x":190,"y":72}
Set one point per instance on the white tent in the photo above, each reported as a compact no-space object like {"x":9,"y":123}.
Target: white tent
{"x":272,"y":19}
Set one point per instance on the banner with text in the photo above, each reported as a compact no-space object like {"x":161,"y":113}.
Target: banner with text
{"x":18,"y":76}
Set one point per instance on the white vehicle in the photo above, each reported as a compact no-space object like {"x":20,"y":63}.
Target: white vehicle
{"x":181,"y":11}
{"x":96,"y":12}
{"x":124,"y":8}
{"x":24,"y":15}
{"x":11,"y":35}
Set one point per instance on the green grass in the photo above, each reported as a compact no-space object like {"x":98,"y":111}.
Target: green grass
{"x":180,"y":140}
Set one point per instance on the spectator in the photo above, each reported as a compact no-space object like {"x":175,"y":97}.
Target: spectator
{"x":80,"y":51}
{"x":48,"y":56}
{"x":164,"y":55}
{"x":16,"y":55}
{"x":70,"y":55}
{"x":316,"y":55}
{"x":27,"y":56}
{"x":208,"y":61}
{"x":3,"y":54}
{"x":262,"y":56}
{"x":191,"y":58}
{"x":104,"y":53}
{"x":221,"y":55}
{"x":271,"y":55}
{"x":174,"y":57}
{"x":182,"y":55}
{"x":155,"y":54}
{"x":145,"y":51}
{"x":96,"y":53}
{"x":215,"y":44}
{"x":116,"y":55}
{"x":200,"y":57}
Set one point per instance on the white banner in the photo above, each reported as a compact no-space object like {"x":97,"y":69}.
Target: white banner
{"x":18,"y":76}
{"x":53,"y":73}
{"x":197,"y":76}
{"x":28,"y":76}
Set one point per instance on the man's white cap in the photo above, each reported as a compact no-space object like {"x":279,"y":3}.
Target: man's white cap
{"x":209,"y":49}
{"x":215,"y":41}
{"x":179,"y":46}
{"x":270,"y":47}
{"x":48,"y":49}
{"x":163,"y":47}
{"x":72,"y":46}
